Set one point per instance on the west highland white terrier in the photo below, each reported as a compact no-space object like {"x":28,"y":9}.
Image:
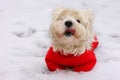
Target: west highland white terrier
{"x":73,"y":40}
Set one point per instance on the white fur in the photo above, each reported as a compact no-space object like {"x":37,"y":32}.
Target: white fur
{"x":83,"y":36}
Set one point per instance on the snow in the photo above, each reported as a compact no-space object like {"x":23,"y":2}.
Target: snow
{"x":24,"y":39}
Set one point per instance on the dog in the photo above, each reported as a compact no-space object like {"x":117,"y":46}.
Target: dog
{"x":73,"y":40}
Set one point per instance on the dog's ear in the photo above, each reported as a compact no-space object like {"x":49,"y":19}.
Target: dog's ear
{"x":89,"y":15}
{"x":56,"y":12}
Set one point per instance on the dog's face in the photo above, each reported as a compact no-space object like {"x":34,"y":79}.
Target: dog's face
{"x":71,"y":28}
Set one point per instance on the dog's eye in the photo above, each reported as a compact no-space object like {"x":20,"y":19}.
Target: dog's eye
{"x":78,"y":20}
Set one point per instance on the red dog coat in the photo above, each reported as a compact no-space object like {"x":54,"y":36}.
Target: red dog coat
{"x":83,"y":62}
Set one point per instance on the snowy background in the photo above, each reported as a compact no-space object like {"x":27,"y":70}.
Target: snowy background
{"x":24,"y":39}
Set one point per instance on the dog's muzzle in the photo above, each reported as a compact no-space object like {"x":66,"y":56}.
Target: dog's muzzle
{"x":69,"y":31}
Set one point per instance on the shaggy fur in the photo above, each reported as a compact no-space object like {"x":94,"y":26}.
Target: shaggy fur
{"x":81,"y":40}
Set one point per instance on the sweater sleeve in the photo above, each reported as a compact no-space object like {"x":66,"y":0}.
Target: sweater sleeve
{"x":51,"y":66}
{"x":50,"y":59}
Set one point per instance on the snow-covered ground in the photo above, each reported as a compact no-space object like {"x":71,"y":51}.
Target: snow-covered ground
{"x":24,"y":39}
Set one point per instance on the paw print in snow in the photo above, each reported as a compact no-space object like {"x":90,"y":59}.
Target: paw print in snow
{"x":27,"y":33}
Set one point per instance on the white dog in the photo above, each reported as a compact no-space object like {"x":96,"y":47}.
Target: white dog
{"x":72,"y":36}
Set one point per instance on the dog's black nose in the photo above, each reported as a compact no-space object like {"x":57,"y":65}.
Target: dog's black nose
{"x":68,"y":24}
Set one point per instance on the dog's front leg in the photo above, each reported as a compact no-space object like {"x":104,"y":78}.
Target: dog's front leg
{"x":85,"y":67}
{"x":52,"y":66}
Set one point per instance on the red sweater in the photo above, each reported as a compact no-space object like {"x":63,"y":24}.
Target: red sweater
{"x":83,"y":62}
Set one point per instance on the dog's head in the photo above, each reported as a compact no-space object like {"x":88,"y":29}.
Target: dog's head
{"x":71,"y":30}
